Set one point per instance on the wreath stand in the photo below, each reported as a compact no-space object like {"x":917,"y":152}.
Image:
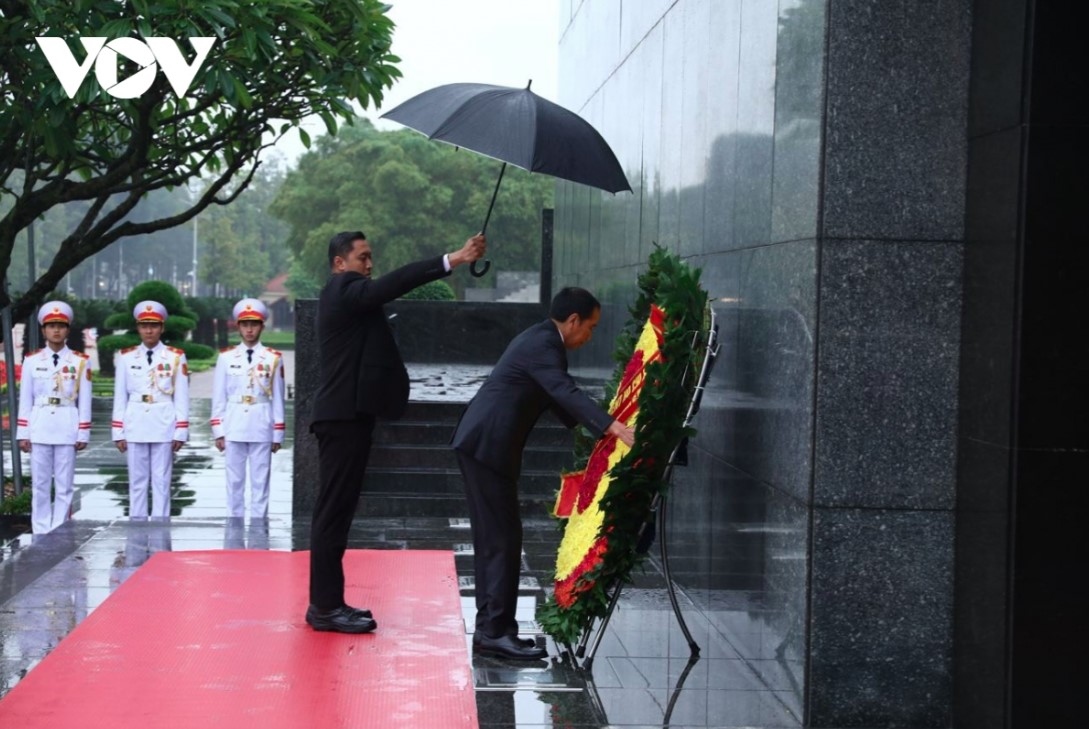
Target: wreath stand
{"x":582,"y":656}
{"x":597,"y":706}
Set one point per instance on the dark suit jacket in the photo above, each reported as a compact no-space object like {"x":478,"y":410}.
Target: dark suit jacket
{"x":361,"y":367}
{"x":529,"y":378}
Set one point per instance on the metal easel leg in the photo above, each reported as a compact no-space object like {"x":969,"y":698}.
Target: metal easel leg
{"x":692,"y":645}
{"x":588,"y":662}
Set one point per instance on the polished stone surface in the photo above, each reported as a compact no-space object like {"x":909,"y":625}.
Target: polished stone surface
{"x":771,"y":431}
{"x":462,"y":332}
{"x":1023,"y":437}
{"x":990,"y":302}
{"x":998,"y":48}
{"x":740,"y":549}
{"x":887,"y":374}
{"x":799,"y":109}
{"x":881,"y":618}
{"x":810,"y":156}
{"x":895,"y":153}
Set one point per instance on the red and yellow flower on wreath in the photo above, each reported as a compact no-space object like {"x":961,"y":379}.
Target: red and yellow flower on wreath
{"x":605,"y":503}
{"x":579,"y":501}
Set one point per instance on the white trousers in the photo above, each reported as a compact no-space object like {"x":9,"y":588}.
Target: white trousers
{"x":258,"y":456}
{"x":154,"y":463}
{"x":51,"y":465}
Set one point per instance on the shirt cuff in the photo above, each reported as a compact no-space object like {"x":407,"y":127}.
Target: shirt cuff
{"x":446,"y":262}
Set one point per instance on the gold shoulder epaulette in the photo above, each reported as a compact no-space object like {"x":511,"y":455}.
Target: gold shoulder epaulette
{"x":35,"y":352}
{"x":275,"y":352}
{"x":175,"y":350}
{"x":225,"y":349}
{"x":81,"y":355}
{"x":133,"y":348}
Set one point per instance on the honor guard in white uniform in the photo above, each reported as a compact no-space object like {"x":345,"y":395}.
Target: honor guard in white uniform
{"x":150,"y":411}
{"x":248,"y":410}
{"x":54,"y":417}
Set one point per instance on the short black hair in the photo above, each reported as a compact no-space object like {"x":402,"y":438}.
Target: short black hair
{"x":573,"y":300}
{"x":341,"y":244}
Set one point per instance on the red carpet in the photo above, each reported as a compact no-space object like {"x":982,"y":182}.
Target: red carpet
{"x":202,"y":640}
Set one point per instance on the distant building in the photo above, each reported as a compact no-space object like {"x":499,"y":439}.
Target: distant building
{"x":276,"y":297}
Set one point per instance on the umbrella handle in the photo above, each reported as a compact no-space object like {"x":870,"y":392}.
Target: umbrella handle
{"x":484,"y":228}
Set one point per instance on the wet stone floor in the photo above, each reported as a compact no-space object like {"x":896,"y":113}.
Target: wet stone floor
{"x":642,"y":675}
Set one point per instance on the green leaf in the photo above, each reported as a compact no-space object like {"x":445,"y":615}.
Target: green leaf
{"x":220,"y":17}
{"x":330,"y":122}
{"x":242,"y":94}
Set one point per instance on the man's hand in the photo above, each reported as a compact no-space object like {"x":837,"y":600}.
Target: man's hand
{"x":178,"y":445}
{"x":276,"y":447}
{"x":80,"y":446}
{"x":221,"y":443}
{"x":122,"y":445}
{"x":473,"y":249}
{"x":24,"y":445}
{"x":625,"y":434}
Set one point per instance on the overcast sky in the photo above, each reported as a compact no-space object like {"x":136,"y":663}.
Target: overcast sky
{"x":503,"y":42}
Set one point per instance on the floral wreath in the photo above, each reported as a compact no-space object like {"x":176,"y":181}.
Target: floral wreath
{"x":604,"y":503}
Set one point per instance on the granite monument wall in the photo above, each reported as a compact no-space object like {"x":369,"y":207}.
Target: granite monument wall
{"x":810,"y":157}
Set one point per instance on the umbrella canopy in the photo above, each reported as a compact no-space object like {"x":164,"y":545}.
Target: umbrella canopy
{"x":515,"y":126}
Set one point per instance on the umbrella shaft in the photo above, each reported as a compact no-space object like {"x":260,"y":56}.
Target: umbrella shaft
{"x":484,"y":228}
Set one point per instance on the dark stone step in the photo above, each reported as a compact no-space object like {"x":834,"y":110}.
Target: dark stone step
{"x":429,"y":412}
{"x":448,"y":412}
{"x":422,"y":482}
{"x":397,"y":505}
{"x":442,"y":457}
{"x":413,"y":432}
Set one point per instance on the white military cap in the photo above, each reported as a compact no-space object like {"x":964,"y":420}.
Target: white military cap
{"x":250,"y":310}
{"x":52,"y":311}
{"x":151,"y":311}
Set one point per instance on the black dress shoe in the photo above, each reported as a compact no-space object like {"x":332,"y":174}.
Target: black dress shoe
{"x":339,"y":620}
{"x":508,"y":646}
{"x":360,"y":611}
{"x":527,"y":642}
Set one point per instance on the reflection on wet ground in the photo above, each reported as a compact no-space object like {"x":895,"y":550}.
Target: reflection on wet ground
{"x":642,"y":675}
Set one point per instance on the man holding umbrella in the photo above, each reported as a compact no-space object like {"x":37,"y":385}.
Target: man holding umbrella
{"x":362,"y":378}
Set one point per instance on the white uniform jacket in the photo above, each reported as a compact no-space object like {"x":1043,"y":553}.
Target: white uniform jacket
{"x":248,"y":397}
{"x":55,"y":399}
{"x":151,"y":402}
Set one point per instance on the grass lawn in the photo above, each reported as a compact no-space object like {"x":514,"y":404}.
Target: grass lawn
{"x":279,"y":340}
{"x":201,"y":365}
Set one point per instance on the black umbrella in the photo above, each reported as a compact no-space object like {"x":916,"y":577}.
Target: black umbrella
{"x":514,"y":126}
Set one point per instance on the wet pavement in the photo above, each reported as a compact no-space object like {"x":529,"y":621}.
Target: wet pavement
{"x":642,"y":675}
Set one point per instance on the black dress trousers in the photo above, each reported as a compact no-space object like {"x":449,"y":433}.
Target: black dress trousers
{"x":497,"y":545}
{"x":344,"y":446}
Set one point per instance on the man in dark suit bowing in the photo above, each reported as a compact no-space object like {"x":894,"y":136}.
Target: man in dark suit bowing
{"x":362,"y":378}
{"x":529,"y":378}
